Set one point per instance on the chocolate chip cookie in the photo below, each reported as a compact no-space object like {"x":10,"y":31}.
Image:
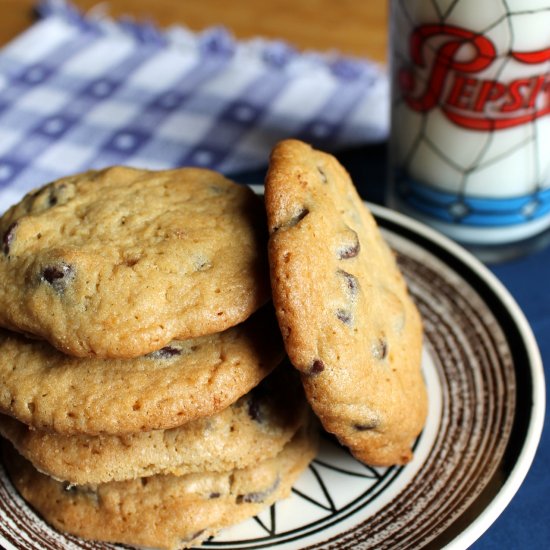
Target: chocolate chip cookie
{"x":253,"y":429}
{"x":119,"y":262}
{"x":347,"y":320}
{"x":183,"y":381}
{"x":163,"y":511}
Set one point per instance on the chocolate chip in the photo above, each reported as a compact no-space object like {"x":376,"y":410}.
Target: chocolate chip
{"x":250,"y":497}
{"x":350,"y":249}
{"x":51,"y":195}
{"x":324,"y":178}
{"x":52,"y":199}
{"x":348,"y":252}
{"x":255,"y":399}
{"x":366,"y":427}
{"x":58,"y":276}
{"x":9,"y":235}
{"x":216,"y":189}
{"x":214,"y":495}
{"x":258,"y":496}
{"x":317,"y":367}
{"x":344,"y":316}
{"x":192,"y":537}
{"x":379,"y":349}
{"x":298,"y":217}
{"x":351,"y":282}
{"x":254,"y":410}
{"x":69,"y":487}
{"x":294,"y":220}
{"x":53,"y":273}
{"x":164,"y":353}
{"x":201,"y":263}
{"x":55,"y":193}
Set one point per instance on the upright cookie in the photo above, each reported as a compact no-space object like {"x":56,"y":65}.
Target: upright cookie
{"x":253,"y":429}
{"x":348,"y":323}
{"x":185,"y":380}
{"x":163,"y":511}
{"x":118,"y":263}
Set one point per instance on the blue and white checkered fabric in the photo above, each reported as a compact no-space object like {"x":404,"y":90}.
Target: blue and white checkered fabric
{"x":79,"y":92}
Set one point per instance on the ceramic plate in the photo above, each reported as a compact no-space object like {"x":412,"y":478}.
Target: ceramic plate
{"x":486,"y":391}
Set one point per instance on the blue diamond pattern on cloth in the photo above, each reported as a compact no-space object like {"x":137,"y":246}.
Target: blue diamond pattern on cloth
{"x":9,"y":169}
{"x":80,"y":91}
{"x":203,"y":157}
{"x":241,"y":112}
{"x":55,"y":126}
{"x":101,"y":88}
{"x":168,"y":101}
{"x":126,"y":141}
{"x":35,"y":74}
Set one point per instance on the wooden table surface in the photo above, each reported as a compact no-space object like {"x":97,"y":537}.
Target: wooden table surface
{"x":353,"y":27}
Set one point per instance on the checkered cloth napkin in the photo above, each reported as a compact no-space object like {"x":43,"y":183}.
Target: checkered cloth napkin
{"x":83,"y":91}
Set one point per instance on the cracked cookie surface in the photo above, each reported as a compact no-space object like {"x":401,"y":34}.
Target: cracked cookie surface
{"x":118,"y":262}
{"x":347,"y":320}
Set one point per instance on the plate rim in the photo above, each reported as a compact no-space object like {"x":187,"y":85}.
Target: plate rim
{"x":504,"y":494}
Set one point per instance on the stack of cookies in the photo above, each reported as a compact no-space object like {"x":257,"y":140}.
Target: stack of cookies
{"x":145,"y":317}
{"x":139,"y":358}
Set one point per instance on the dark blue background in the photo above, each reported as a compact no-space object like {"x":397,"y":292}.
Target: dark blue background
{"x":525,"y":523}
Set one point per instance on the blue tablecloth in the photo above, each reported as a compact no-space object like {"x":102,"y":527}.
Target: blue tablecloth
{"x":526,"y":521}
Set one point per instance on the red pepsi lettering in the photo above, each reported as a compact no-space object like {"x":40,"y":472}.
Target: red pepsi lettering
{"x":445,"y":63}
